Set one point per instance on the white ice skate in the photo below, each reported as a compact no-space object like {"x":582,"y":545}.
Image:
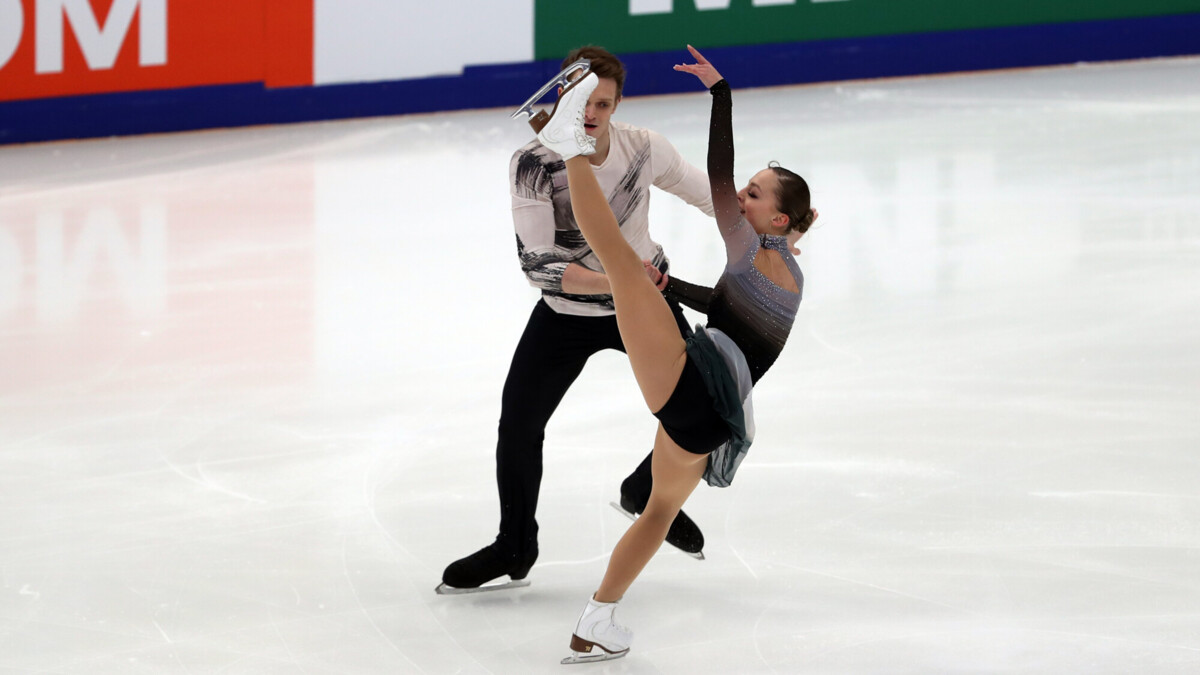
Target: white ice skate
{"x":597,"y":628}
{"x":562,"y":130}
{"x":568,"y":75}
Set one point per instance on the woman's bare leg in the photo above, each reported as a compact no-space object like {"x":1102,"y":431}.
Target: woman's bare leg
{"x":657,"y":354}
{"x":656,"y":351}
{"x":676,"y":474}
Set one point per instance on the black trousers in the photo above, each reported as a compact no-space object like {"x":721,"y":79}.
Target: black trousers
{"x":548,"y":359}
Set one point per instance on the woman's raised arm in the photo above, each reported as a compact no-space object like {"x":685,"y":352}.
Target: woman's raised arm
{"x":720,"y":143}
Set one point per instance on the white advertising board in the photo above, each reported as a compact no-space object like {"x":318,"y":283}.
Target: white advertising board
{"x":372,"y":40}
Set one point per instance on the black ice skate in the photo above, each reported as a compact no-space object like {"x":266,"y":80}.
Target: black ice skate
{"x":472,"y":573}
{"x":684,"y":534}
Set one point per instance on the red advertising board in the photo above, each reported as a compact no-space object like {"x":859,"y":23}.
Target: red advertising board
{"x":51,"y":48}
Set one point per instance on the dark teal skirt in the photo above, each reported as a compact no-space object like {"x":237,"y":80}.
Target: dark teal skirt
{"x":730,"y":393}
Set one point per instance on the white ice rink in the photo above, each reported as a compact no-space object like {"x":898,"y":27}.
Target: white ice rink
{"x":250,"y":380}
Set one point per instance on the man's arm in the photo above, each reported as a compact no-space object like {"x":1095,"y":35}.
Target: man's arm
{"x":672,"y":173}
{"x":533,"y":219}
{"x":548,"y":271}
{"x":579,"y":280}
{"x":541,"y":261}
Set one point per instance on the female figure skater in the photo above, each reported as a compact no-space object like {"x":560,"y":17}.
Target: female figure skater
{"x":697,"y":388}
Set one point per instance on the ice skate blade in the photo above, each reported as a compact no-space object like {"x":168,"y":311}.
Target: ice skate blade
{"x":581,"y":67}
{"x":699,"y":555}
{"x":443,"y":589}
{"x":576,"y":657}
{"x":581,"y":652}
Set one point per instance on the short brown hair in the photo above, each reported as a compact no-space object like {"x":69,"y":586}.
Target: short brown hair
{"x":604,"y":63}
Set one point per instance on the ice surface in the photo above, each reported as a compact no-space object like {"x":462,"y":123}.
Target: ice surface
{"x":250,"y":379}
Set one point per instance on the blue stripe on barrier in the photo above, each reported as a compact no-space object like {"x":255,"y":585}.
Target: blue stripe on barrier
{"x":650,"y":73}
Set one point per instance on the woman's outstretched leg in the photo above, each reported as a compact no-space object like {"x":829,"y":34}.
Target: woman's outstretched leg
{"x":657,"y":354}
{"x":676,"y":474}
{"x":656,"y":351}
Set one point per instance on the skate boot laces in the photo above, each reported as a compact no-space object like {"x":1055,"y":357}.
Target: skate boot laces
{"x":563,"y":131}
{"x":599,"y":625}
{"x":597,"y":636}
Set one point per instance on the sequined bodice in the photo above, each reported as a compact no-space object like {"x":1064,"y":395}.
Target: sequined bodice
{"x":753,"y":311}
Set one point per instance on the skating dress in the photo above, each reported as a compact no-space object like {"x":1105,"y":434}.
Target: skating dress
{"x":749,"y":320}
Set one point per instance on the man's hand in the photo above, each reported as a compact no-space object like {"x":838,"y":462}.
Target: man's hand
{"x":657,"y":278}
{"x":701,"y":69}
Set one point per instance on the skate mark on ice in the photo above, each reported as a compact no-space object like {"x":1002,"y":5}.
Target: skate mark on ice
{"x":1114,"y":638}
{"x":1103,"y":571}
{"x":891,"y":467}
{"x":564,"y":563}
{"x":733,"y":549}
{"x":856,"y":358}
{"x":213,"y":485}
{"x":203,"y":480}
{"x":283,"y":640}
{"x":79,"y":426}
{"x":877,"y":587}
{"x":1110,"y":493}
{"x":162,"y":632}
{"x":754,"y":633}
{"x":366,"y":614}
{"x":370,"y":490}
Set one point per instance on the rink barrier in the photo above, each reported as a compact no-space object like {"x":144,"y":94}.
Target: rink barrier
{"x":502,"y":85}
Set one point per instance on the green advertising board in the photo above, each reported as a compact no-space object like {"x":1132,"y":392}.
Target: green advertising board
{"x":628,"y":26}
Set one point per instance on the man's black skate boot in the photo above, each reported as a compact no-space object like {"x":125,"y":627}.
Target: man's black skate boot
{"x":684,"y":534}
{"x":490,"y":562}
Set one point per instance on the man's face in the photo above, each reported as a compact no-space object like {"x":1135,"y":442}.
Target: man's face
{"x":601,"y":105}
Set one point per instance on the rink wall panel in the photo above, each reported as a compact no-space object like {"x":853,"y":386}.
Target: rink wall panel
{"x":269,"y":100}
{"x":67,"y":48}
{"x":629,"y":26}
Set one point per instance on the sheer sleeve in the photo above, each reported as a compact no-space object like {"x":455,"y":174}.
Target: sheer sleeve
{"x":692,"y":296}
{"x":739,"y":237}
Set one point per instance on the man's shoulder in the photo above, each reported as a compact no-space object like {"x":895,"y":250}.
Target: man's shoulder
{"x":534,"y":151}
{"x":534,"y":170}
{"x":534,"y":163}
{"x":639,"y":139}
{"x":629,"y":130}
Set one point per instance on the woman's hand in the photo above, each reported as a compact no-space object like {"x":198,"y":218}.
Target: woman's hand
{"x":701,"y":69}
{"x":657,"y":278}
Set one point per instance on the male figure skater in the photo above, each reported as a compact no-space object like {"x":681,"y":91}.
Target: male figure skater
{"x":574,"y":318}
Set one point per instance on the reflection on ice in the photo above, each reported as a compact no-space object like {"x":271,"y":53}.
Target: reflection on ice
{"x":65,"y":268}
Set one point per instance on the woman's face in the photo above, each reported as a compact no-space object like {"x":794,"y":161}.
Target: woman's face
{"x":759,"y":204}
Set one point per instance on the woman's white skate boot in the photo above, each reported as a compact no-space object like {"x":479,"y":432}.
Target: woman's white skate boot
{"x":597,"y":628}
{"x":562,"y":130}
